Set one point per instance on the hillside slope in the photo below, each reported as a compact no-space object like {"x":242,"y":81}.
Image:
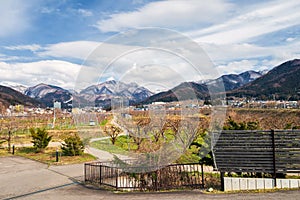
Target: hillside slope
{"x":9,"y":96}
{"x":282,"y":82}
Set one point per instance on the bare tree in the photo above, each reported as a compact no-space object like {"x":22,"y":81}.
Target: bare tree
{"x":8,"y":126}
{"x":113,"y":132}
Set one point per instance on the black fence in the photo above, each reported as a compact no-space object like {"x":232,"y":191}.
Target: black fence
{"x":169,"y":177}
{"x":271,"y":152}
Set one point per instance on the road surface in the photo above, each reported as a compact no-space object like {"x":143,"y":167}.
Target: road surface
{"x":22,"y":178}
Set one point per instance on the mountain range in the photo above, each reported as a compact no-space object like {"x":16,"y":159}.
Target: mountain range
{"x":102,"y":94}
{"x":47,"y":94}
{"x":189,"y":90}
{"x":282,"y":82}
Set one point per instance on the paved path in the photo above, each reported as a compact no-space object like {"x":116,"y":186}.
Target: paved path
{"x":51,"y":144}
{"x":103,"y":155}
{"x":22,"y":178}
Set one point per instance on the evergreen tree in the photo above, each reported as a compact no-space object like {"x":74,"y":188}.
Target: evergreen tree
{"x":72,"y":146}
{"x":40,"y":139}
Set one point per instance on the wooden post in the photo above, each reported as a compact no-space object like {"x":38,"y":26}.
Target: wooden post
{"x":100,"y":174}
{"x":85,"y":179}
{"x":222,"y":181}
{"x":56,"y":155}
{"x":9,"y":140}
{"x":274,"y":156}
{"x":117,"y":174}
{"x":202,"y":174}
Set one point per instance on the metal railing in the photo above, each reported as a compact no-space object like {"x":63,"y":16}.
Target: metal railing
{"x":168,"y":177}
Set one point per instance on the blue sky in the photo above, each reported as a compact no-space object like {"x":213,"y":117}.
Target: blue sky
{"x":49,"y":40}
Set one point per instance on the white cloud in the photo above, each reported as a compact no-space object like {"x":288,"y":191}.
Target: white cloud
{"x":153,"y":68}
{"x":14,"y":17}
{"x":290,"y":39}
{"x":85,"y":13}
{"x":229,"y":52}
{"x":227,"y":41}
{"x":4,"y":57}
{"x":264,"y":18}
{"x":75,"y":49}
{"x":32,"y":47}
{"x":172,"y":14}
{"x":54,"y":72}
{"x":236,"y":58}
{"x":237,"y":67}
{"x":47,"y":10}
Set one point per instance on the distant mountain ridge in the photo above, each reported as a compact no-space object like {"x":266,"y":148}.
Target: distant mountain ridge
{"x":282,"y":82}
{"x":95,"y":95}
{"x":16,"y":86}
{"x":103,"y":93}
{"x":200,"y":89}
{"x":48,"y":94}
{"x":234,"y":81}
{"x":184,"y":91}
{"x":10,"y":96}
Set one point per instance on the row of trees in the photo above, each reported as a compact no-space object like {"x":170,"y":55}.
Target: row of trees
{"x":151,"y":134}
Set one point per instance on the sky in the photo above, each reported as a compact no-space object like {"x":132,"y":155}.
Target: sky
{"x":56,"y":41}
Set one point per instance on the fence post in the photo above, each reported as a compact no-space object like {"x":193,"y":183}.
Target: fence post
{"x":222,"y":180}
{"x":274,"y":156}
{"x":56,"y":155}
{"x":85,"y":172}
{"x":202,"y":174}
{"x":117,"y":174}
{"x":100,"y":174}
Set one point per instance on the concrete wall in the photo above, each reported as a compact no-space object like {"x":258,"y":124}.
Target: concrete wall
{"x":288,"y":183}
{"x":258,"y":183}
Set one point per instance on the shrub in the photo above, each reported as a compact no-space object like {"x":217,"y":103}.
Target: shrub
{"x":233,"y":125}
{"x":40,"y":139}
{"x":72,"y":146}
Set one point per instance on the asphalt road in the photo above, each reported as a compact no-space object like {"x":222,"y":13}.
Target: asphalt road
{"x":22,"y":178}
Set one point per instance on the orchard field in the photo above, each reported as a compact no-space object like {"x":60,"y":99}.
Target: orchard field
{"x":15,"y":130}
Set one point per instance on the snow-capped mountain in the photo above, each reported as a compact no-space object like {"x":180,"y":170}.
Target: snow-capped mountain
{"x":233,"y":81}
{"x":230,"y":82}
{"x":94,"y":95}
{"x":9,"y":96}
{"x":102,"y":93}
{"x":282,"y":82}
{"x":16,"y":86}
{"x":49,"y":94}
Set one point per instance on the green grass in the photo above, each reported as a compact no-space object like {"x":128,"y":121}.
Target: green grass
{"x":292,"y":176}
{"x":106,"y":145}
{"x":49,"y":156}
{"x":4,"y":152}
{"x":126,"y":144}
{"x":103,"y":122}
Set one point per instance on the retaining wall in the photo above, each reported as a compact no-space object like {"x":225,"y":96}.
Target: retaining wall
{"x":231,"y":183}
